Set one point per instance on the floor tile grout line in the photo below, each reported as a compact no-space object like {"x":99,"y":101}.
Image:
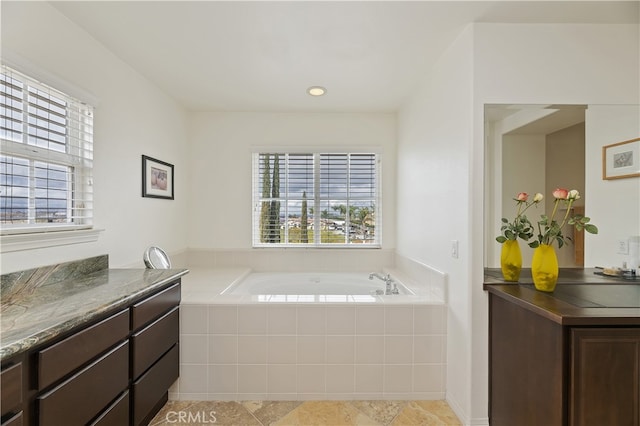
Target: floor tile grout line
{"x":274,"y":420}
{"x":404,"y":405}
{"x":362,"y":412}
{"x":251,"y":413}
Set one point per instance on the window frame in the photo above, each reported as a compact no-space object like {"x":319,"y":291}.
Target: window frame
{"x":317,"y":198}
{"x":77,"y":158}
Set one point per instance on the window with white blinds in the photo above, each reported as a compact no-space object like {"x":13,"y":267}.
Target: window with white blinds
{"x":47,"y":157}
{"x":316,"y":199}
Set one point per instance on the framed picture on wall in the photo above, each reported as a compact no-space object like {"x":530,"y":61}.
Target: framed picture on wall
{"x":621,"y":160}
{"x":157,"y":178}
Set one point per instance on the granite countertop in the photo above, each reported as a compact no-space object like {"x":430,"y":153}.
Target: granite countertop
{"x":581,"y":297}
{"x":33,"y":315}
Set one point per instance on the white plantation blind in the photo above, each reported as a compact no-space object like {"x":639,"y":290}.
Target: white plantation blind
{"x":316,"y":199}
{"x":46,"y":159}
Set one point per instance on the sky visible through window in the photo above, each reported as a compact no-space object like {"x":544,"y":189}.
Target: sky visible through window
{"x":50,"y":189}
{"x":36,"y":173}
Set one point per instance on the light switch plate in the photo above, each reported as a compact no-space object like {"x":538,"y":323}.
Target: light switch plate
{"x":623,"y":247}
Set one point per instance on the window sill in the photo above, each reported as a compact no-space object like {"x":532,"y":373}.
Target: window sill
{"x":18,"y":242}
{"x":321,"y":246}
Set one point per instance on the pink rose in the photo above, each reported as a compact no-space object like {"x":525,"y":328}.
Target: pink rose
{"x":560,"y":194}
{"x":522,"y":196}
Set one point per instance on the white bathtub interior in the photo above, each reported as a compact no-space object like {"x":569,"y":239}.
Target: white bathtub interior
{"x":244,"y":347}
{"x":311,"y":283}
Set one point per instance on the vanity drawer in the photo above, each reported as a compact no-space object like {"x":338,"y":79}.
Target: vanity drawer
{"x":11,"y":389}
{"x":14,"y":421}
{"x":153,"y":384}
{"x":78,"y":399}
{"x":148,"y":344}
{"x":117,"y":414}
{"x":152,"y":307}
{"x":62,"y":358}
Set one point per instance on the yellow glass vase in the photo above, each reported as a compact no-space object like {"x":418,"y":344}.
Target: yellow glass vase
{"x":511,"y":260}
{"x":544,"y":268}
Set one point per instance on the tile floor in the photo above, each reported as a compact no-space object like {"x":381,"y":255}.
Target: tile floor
{"x":308,"y":413}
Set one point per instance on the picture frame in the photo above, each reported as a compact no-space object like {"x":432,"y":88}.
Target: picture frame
{"x":157,"y":178}
{"x":621,"y":160}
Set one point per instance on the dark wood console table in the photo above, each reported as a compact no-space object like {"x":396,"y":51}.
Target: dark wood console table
{"x":571,"y":357}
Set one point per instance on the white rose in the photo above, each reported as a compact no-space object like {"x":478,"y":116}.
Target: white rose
{"x":573,"y":195}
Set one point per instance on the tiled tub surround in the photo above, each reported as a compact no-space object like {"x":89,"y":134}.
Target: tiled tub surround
{"x":291,"y":259}
{"x":236,"y":347}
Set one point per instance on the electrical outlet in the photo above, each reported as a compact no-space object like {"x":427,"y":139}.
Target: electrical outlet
{"x":454,"y":249}
{"x":623,"y":247}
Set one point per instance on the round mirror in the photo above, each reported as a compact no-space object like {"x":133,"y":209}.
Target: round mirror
{"x":156,"y":258}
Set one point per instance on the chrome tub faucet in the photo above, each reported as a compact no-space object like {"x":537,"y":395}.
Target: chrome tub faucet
{"x":388,"y":281}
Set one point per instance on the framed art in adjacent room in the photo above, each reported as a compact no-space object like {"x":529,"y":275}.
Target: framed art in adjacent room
{"x":621,"y":160}
{"x":157,"y":178}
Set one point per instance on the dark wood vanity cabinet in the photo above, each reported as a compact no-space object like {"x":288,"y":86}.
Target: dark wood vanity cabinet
{"x":114,"y":371}
{"x":552,"y":363}
{"x":11,"y":392}
{"x":154,"y":352}
{"x":526,"y":366}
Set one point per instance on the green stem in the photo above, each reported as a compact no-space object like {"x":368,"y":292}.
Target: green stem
{"x":526,"y":207}
{"x":553,"y":213}
{"x":566,"y":216}
{"x":547,"y":237}
{"x":519,"y":207}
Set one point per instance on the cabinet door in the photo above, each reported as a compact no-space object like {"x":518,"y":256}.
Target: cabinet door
{"x":526,"y":366}
{"x":58,"y":360}
{"x":150,"y":390}
{"x":605,"y":376}
{"x":154,"y":306}
{"x":117,"y":414}
{"x":84,"y":395}
{"x":11,"y":389}
{"x":16,"y":420}
{"x":152,"y":342}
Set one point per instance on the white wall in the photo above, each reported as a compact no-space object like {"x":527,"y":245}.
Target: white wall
{"x":557,"y":63}
{"x":616,"y":206}
{"x":434,"y":150}
{"x":441,"y":145}
{"x":133,"y":117}
{"x":220,"y":161}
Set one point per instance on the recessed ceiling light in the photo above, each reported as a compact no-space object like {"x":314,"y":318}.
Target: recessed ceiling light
{"x":316,"y":91}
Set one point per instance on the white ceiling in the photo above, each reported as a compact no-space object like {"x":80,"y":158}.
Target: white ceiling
{"x":262,"y":56}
